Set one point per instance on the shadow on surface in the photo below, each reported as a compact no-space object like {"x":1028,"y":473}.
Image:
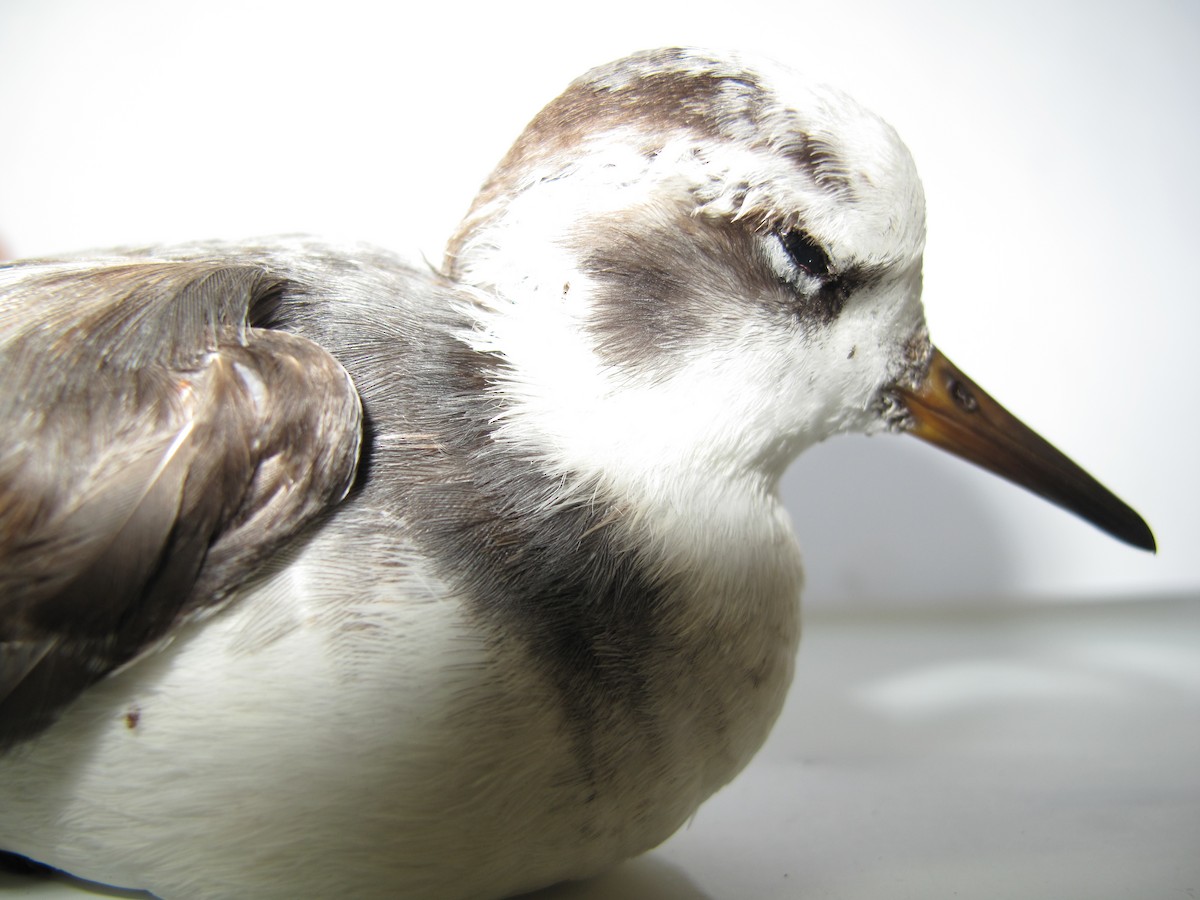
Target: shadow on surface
{"x":25,"y":878}
{"x":644,"y":878}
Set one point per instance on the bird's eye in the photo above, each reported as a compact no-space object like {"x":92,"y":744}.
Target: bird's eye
{"x":805,"y":253}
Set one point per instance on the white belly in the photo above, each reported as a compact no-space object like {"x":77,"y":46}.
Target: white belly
{"x":372,"y":748}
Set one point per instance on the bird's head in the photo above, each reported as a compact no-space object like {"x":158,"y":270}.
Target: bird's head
{"x":689,"y":263}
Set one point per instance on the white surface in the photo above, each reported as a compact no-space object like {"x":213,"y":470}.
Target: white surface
{"x":1057,"y":141}
{"x":1007,"y":753}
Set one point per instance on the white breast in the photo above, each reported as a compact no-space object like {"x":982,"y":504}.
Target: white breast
{"x":292,"y":729}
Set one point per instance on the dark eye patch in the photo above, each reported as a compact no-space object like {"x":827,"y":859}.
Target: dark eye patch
{"x":806,"y":253}
{"x":820,"y":297}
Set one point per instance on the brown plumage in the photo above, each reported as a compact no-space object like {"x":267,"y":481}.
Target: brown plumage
{"x":169,"y":448}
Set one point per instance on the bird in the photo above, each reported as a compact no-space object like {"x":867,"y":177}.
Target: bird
{"x":324,"y":572}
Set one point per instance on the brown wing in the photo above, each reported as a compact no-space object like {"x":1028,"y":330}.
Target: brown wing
{"x":154,"y":449}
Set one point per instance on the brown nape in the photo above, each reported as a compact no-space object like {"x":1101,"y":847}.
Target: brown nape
{"x":658,"y":103}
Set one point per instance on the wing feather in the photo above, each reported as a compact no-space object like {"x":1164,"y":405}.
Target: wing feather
{"x":156,"y":449}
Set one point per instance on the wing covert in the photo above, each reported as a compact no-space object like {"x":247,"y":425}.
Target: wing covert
{"x":156,"y":449}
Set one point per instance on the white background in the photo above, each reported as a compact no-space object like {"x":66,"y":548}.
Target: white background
{"x":1058,"y":143}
